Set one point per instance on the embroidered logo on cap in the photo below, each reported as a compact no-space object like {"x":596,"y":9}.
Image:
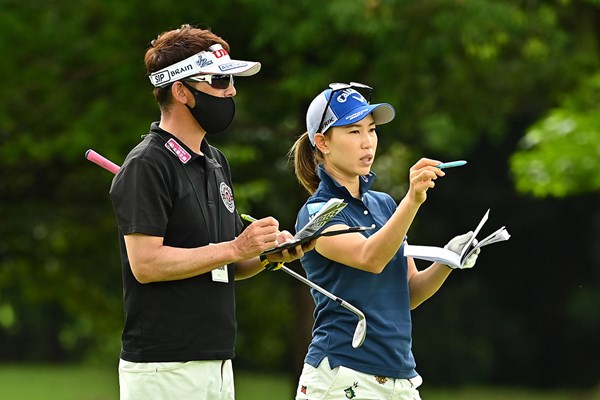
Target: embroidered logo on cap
{"x":178,"y":150}
{"x":227,"y":196}
{"x":356,"y":115}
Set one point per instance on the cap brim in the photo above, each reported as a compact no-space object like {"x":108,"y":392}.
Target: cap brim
{"x":382,"y":114}
{"x":232,"y":67}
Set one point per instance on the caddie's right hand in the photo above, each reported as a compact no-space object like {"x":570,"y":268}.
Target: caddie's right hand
{"x":259,"y":236}
{"x":457,"y":243}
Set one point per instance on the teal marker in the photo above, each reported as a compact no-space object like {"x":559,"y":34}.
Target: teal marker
{"x":452,"y":164}
{"x":248,"y":217}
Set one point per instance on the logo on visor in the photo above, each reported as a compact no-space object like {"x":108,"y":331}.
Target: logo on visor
{"x":220,"y":53}
{"x":232,"y":65}
{"x":160,"y":77}
{"x":227,"y":197}
{"x":203,"y":62}
{"x":181,"y":70}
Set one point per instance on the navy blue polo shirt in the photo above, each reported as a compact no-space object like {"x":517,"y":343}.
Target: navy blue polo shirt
{"x":164,"y":189}
{"x":383,"y":298}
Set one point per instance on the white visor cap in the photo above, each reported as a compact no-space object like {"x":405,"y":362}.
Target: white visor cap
{"x":213,"y":62}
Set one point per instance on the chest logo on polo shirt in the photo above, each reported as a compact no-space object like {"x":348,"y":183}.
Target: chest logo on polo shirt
{"x":178,"y":150}
{"x":227,"y":196}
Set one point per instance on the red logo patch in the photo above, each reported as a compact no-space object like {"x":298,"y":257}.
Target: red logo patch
{"x":220,"y":53}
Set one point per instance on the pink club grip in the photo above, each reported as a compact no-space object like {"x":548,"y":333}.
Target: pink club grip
{"x":102,"y":161}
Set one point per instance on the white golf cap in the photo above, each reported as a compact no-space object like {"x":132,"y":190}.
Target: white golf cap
{"x":213,"y":62}
{"x":342,"y":105}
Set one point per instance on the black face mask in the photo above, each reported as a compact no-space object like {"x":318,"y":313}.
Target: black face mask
{"x":214,"y":114}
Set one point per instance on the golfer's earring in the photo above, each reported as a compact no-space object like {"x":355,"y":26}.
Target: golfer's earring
{"x":325,"y":152}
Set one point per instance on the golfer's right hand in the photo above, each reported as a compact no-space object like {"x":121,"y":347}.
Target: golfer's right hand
{"x":259,"y":236}
{"x":422,"y":177}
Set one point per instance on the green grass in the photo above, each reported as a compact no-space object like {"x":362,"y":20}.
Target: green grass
{"x":49,"y":382}
{"x":253,"y":386}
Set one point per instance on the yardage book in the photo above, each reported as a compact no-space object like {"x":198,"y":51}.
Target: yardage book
{"x":310,"y":231}
{"x":445,"y":256}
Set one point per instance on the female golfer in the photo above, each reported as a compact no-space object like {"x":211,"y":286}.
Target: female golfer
{"x":334,"y":159}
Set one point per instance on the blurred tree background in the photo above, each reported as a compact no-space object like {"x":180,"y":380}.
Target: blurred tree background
{"x":511,"y":86}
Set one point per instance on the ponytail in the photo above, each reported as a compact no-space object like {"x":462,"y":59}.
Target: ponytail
{"x":306,"y":160}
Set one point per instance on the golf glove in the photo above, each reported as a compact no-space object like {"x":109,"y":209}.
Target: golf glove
{"x":457,"y":244}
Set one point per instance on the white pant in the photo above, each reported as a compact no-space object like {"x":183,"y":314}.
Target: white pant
{"x":197,"y":380}
{"x":340,"y":383}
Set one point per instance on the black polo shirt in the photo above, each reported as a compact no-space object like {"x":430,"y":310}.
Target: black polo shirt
{"x":164,"y":189}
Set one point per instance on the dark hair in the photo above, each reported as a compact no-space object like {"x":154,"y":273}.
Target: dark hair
{"x":175,"y":45}
{"x":306,"y":159}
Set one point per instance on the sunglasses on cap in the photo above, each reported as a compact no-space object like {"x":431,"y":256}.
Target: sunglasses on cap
{"x":215,"y":81}
{"x":336,"y":87}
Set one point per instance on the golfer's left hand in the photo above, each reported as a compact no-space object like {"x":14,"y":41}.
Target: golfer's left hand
{"x":458,"y":243}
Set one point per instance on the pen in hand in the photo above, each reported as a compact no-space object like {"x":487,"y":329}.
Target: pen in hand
{"x":451,"y":164}
{"x":271,"y":266}
{"x":248,"y":217}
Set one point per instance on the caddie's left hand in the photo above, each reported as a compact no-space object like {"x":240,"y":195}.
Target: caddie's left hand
{"x":457,"y":243}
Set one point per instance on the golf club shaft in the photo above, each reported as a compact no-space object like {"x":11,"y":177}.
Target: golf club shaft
{"x":114,"y":168}
{"x":318,"y":288}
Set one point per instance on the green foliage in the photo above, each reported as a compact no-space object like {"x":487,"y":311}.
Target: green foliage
{"x":260,"y":304}
{"x":560,"y":153}
{"x":392,"y":167}
{"x":457,"y":73}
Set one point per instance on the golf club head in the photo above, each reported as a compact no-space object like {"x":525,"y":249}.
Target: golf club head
{"x":360,"y":333}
